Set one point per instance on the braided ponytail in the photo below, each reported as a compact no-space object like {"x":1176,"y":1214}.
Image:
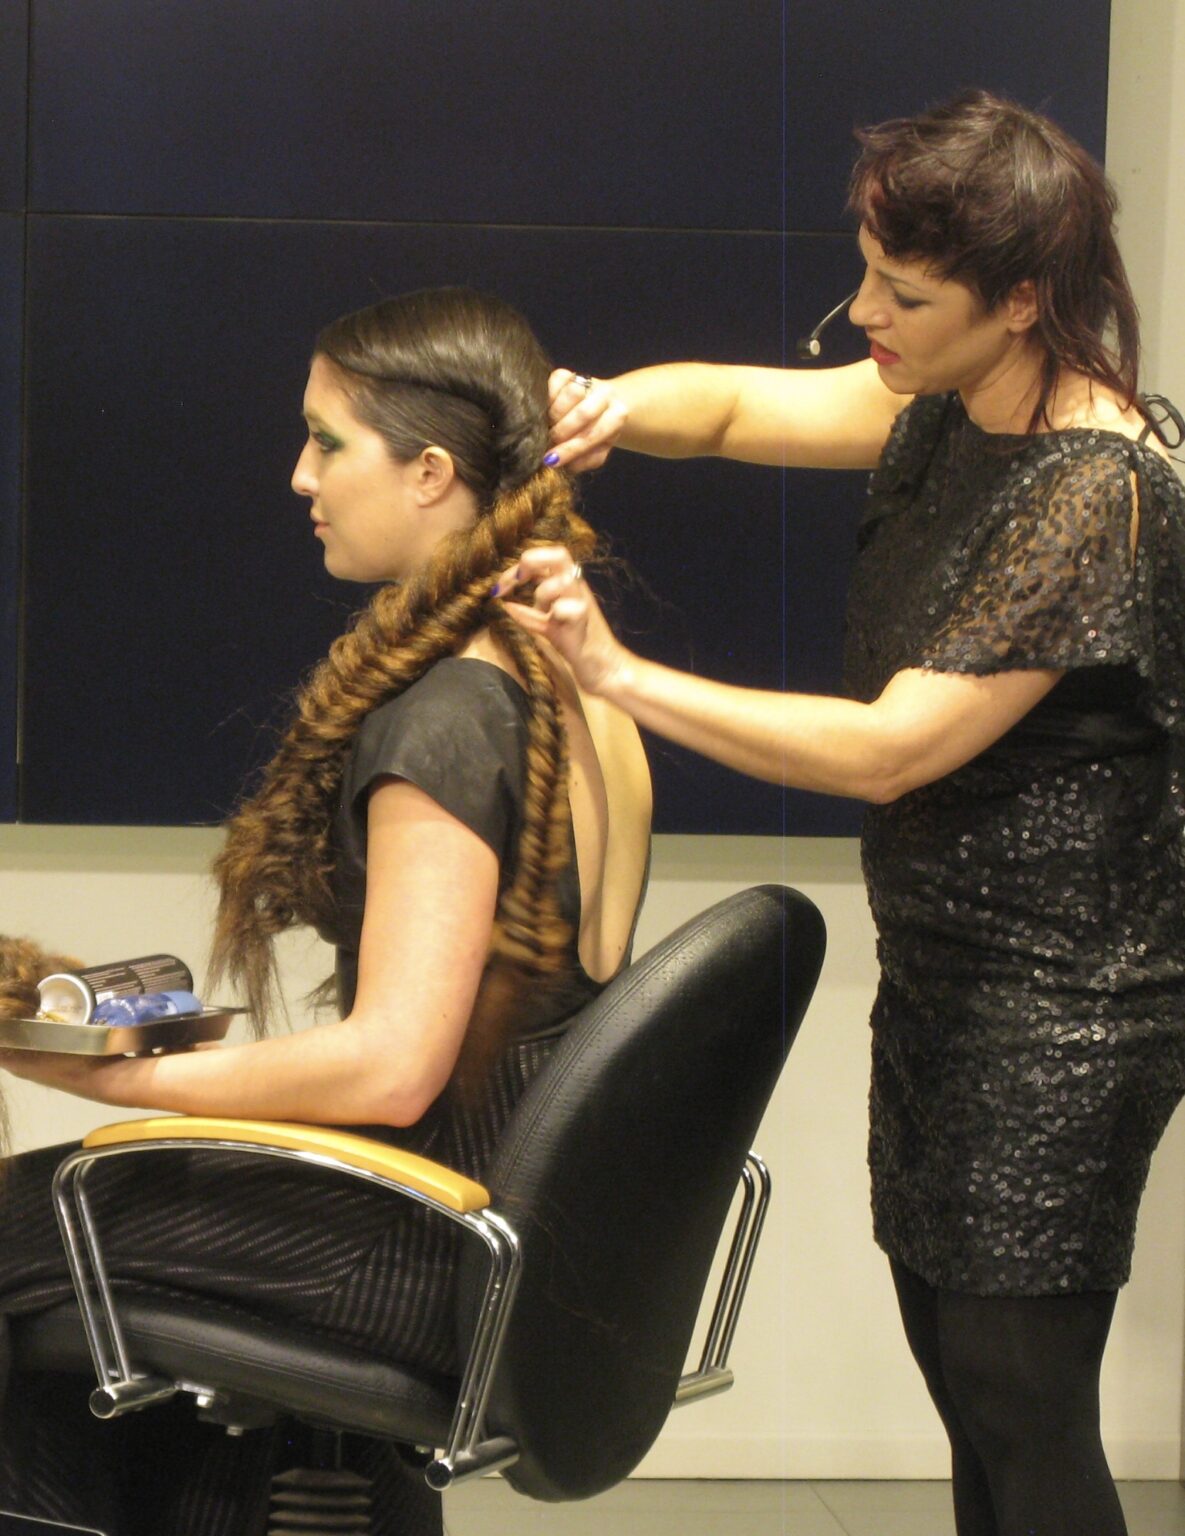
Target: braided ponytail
{"x":275,"y":869}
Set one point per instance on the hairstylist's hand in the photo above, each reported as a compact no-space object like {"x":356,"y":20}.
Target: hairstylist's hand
{"x":565,"y":614}
{"x":587,"y":418}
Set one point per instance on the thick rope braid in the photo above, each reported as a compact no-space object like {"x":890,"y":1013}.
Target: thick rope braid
{"x":531,"y":939}
{"x":276,"y":865}
{"x":529,"y":930}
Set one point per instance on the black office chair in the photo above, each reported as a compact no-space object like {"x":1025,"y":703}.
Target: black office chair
{"x":590,"y":1249}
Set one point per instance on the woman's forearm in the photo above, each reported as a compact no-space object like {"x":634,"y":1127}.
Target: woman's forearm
{"x":677,"y":410}
{"x":827,"y":418}
{"x":340,"y":1073}
{"x":431,"y":894}
{"x":924,"y":725}
{"x":802,"y":741}
{"x":798,"y":740}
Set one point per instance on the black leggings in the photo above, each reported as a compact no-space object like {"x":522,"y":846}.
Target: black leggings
{"x":1016,"y":1384}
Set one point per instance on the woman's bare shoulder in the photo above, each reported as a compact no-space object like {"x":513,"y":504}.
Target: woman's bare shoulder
{"x":1082,"y":405}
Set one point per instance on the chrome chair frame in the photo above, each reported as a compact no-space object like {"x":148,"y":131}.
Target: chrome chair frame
{"x":121,"y":1388}
{"x":712,"y":1375}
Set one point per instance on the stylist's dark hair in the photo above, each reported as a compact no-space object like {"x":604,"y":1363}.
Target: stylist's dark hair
{"x":463,"y":371}
{"x":993,"y":195}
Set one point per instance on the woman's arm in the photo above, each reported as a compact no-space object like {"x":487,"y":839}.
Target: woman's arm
{"x":923,"y":726}
{"x":826,"y":418}
{"x":431,"y":892}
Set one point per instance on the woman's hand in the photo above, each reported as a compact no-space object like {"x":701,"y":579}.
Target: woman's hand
{"x":86,"y":1076}
{"x":566,"y":614}
{"x":587,"y":418}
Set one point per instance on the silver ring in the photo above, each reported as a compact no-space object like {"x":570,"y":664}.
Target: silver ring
{"x":583,"y":380}
{"x":577,"y":572}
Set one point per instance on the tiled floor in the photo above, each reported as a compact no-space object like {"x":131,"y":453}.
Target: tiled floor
{"x":666,"y":1508}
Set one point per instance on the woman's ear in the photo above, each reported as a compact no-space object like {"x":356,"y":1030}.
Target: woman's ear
{"x":1021,"y":306}
{"x":434,"y":474}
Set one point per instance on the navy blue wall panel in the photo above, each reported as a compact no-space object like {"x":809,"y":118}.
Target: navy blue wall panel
{"x":12,"y":233}
{"x":594,"y":112}
{"x":748,"y":566}
{"x":177,"y":571}
{"x":622,"y":178}
{"x":861,"y":61}
{"x":14,"y":28}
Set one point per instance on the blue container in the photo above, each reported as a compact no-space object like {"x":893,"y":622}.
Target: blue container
{"x":145,"y":1007}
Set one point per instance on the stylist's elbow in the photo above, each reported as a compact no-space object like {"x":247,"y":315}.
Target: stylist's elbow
{"x":892,"y":765}
{"x":900,"y":772}
{"x":882,"y":788}
{"x":894,"y":746}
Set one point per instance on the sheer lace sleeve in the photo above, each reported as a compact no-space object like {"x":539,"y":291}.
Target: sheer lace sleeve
{"x":982,"y":553}
{"x":1160,"y":583}
{"x":1049,"y":576}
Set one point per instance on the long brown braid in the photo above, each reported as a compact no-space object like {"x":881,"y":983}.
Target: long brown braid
{"x":276,"y":866}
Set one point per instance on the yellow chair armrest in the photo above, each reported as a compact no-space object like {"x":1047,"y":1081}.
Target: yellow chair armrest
{"x":450,"y":1189}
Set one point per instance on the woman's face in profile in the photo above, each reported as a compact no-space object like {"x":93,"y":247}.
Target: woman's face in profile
{"x":929,"y":334}
{"x":364,"y":509}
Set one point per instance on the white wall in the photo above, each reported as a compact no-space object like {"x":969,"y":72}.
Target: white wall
{"x":826,"y":1388}
{"x":825,"y":1385}
{"x":1146,"y":159}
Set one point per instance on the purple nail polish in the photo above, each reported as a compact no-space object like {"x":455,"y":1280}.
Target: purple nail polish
{"x":551,"y":459}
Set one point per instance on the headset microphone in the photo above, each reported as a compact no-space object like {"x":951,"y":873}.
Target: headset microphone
{"x":810,"y":347}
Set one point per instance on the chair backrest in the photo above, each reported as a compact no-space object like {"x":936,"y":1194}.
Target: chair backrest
{"x":618,"y":1170}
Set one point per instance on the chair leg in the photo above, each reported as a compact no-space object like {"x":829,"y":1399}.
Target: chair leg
{"x":333,"y":1484}
{"x":316,"y":1493}
{"x":320,"y":1501}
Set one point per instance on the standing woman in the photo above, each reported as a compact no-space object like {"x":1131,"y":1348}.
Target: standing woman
{"x":1015,"y":672}
{"x":468,"y":830}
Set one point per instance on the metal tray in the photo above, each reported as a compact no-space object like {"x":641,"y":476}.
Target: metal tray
{"x":175,"y":1034}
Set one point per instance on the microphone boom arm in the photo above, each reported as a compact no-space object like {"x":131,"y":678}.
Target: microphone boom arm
{"x":808,"y":348}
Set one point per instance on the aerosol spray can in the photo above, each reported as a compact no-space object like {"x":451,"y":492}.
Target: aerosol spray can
{"x":71,"y":997}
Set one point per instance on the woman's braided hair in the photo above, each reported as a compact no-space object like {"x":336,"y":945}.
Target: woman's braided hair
{"x":463,"y":371}
{"x":23,"y":963}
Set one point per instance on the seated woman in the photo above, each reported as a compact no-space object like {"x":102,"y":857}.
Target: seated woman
{"x":465,"y":826}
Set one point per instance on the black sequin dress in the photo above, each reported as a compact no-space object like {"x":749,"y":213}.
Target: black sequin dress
{"x":1029,"y":1028}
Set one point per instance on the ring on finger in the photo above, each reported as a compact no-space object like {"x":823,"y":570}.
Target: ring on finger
{"x":583,"y":380}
